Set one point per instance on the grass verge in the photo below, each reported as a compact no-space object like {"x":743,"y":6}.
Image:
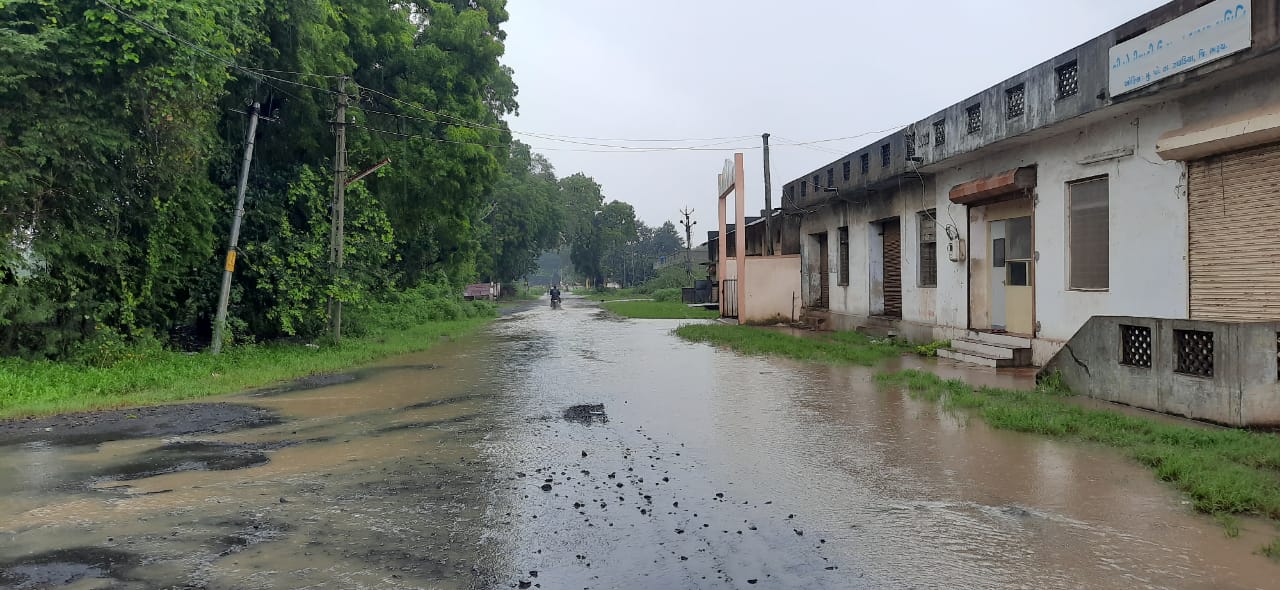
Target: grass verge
{"x":613,"y":295}
{"x":653,"y":310}
{"x":1224,"y":471}
{"x":42,"y":388}
{"x":833,"y":347}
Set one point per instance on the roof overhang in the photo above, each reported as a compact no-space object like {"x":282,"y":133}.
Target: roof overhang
{"x":1005,"y":185}
{"x":1225,"y":134}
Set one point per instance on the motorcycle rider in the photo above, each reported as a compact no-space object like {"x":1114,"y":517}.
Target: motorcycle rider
{"x":555,"y":294}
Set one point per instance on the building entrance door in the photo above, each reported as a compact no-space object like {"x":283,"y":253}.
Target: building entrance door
{"x":1012,"y":256}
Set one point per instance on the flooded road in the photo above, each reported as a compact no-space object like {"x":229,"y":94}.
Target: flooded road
{"x":568,"y":449}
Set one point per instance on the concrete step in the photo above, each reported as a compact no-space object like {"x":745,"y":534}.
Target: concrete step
{"x":974,"y":358}
{"x":999,"y":339}
{"x":993,"y":350}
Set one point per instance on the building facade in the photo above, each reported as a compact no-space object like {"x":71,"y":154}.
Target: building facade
{"x":1137,"y":174}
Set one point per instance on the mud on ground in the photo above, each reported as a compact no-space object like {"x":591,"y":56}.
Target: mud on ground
{"x":91,"y":428}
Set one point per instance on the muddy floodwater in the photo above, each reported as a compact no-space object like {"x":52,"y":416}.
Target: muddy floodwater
{"x":569,"y":449}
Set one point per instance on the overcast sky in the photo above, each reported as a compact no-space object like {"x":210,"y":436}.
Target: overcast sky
{"x":802,"y":71}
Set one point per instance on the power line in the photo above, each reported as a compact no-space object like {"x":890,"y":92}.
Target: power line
{"x":261,"y":74}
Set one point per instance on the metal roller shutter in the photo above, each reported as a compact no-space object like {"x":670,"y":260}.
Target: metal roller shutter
{"x":892,"y":269}
{"x":1234,"y":230}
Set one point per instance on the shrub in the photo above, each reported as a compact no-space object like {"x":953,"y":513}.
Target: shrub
{"x":671,"y":295}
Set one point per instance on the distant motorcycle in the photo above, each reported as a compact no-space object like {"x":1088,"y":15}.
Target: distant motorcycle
{"x":555,"y":303}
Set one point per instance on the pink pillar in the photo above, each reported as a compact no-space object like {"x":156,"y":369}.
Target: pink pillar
{"x":723,"y":259}
{"x":740,"y":241}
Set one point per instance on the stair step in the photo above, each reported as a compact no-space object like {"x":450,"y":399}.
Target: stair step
{"x":999,"y":339}
{"x":975,"y":358}
{"x":986,"y":348}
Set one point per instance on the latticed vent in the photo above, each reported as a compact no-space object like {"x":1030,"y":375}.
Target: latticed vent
{"x":1068,"y":79}
{"x":910,"y":139}
{"x":1015,"y":101}
{"x":831,"y":176}
{"x":973,"y":118}
{"x":1194,"y":353}
{"x":939,"y":132}
{"x":866,"y":163}
{"x":884,"y":156}
{"x":847,"y":168}
{"x":1135,"y":346}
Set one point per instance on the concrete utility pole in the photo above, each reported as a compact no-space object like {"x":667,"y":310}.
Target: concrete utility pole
{"x":768,"y":199}
{"x":337,"y":218}
{"x":224,"y":295}
{"x":688,"y":239}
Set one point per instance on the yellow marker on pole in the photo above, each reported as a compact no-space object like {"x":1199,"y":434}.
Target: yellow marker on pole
{"x":231,"y":261}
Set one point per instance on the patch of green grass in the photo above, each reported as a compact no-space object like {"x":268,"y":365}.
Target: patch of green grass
{"x":1272,"y":550}
{"x":653,"y":310}
{"x":40,"y":388}
{"x":1224,"y":471}
{"x":1230,"y":524}
{"x":832,"y":348}
{"x":931,"y":349}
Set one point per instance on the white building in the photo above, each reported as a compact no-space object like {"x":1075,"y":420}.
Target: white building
{"x":1137,"y":174}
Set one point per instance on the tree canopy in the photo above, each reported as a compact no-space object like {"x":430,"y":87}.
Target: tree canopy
{"x":122,"y":134}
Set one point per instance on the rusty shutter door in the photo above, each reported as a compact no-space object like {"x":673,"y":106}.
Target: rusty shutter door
{"x":1234,"y":235}
{"x":824,"y":274}
{"x":893,"y":269}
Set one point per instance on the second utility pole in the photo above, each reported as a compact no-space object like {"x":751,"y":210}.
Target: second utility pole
{"x":336,"y":233}
{"x":768,"y":199}
{"x":688,"y":240}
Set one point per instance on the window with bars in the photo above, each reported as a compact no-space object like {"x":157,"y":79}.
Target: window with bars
{"x":843,"y":279}
{"x":928,"y":248}
{"x":1088,"y":234}
{"x":1194,"y":354}
{"x":817,"y":183}
{"x":831,"y":176}
{"x":884,"y":156}
{"x":804,"y":188}
{"x":847,"y":168}
{"x":973,"y":118}
{"x":939,"y":132}
{"x":910,"y":141}
{"x":1015,"y":101}
{"x":865,"y":160}
{"x":1135,"y":346}
{"x":1068,"y":79}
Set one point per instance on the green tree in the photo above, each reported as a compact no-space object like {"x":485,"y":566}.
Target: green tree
{"x":524,"y":219}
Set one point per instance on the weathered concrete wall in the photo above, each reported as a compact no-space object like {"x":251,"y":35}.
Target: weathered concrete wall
{"x":1243,"y":391}
{"x":773,"y":289}
{"x":1148,"y":228}
{"x":1043,"y":108}
{"x":851,"y":305}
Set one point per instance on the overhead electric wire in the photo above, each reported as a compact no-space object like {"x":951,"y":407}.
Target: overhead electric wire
{"x":261,"y":74}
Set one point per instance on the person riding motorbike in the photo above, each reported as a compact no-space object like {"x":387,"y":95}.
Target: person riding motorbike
{"x":555,"y":296}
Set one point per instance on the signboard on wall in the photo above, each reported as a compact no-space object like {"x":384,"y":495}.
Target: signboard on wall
{"x":727,"y":176}
{"x":1208,"y":33}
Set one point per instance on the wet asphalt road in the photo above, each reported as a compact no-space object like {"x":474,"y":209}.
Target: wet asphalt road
{"x":569,"y":449}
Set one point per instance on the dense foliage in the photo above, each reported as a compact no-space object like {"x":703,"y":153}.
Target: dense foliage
{"x":122,"y":133}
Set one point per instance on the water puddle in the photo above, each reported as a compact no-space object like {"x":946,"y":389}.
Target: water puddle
{"x":492,"y":462}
